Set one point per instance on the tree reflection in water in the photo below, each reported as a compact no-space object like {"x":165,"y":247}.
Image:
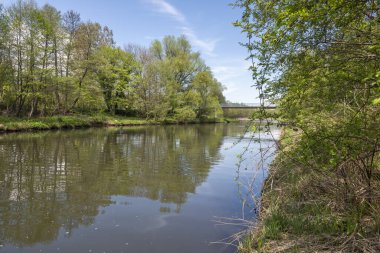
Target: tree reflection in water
{"x":54,"y":180}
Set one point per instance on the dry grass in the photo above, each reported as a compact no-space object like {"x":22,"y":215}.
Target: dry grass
{"x":305,"y":210}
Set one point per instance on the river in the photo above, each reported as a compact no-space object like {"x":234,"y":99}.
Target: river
{"x":136,"y":189}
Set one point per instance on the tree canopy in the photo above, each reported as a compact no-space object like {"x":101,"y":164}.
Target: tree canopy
{"x":54,"y":63}
{"x":319,"y":61}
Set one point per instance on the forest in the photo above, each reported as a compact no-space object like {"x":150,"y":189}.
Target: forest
{"x":54,"y":63}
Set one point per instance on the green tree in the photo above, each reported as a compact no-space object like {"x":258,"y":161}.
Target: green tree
{"x":176,"y":67}
{"x":6,"y":71}
{"x":149,"y":88}
{"x":207,"y":91}
{"x":55,"y":64}
{"x":70,"y":24}
{"x":318,"y":60}
{"x":115,"y":71}
{"x":87,"y":39}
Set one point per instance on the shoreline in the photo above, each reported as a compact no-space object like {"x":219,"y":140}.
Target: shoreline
{"x":78,"y":121}
{"x":296,"y":216}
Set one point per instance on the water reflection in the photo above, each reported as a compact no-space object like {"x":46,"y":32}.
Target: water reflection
{"x":54,"y":180}
{"x":158,"y":187}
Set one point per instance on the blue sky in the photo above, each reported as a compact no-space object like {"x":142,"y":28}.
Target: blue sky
{"x":206,"y":23}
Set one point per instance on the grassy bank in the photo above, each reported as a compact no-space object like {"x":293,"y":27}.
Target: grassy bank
{"x":12,"y":124}
{"x":307,"y":211}
{"x":9,"y":124}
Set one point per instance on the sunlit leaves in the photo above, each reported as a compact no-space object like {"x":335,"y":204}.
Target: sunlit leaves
{"x":319,"y":61}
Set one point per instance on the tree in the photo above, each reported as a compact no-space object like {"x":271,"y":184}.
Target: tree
{"x":87,"y":39}
{"x":71,"y":22}
{"x":149,"y":89}
{"x":318,"y":60}
{"x":207,"y":91}
{"x":55,"y":64}
{"x":115,"y":71}
{"x":165,"y":88}
{"x":6,"y":71}
{"x":177,"y":66}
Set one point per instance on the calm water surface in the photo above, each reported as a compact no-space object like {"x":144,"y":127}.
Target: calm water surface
{"x":138,"y":189}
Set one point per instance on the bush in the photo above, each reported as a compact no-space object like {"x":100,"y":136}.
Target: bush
{"x":185,"y":114}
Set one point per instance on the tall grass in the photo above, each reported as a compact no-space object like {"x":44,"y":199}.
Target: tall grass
{"x":307,"y":210}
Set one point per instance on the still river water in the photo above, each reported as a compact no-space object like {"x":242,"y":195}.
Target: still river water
{"x":137,"y":189}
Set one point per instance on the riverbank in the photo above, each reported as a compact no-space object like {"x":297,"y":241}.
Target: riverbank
{"x":303,"y":210}
{"x":12,"y":124}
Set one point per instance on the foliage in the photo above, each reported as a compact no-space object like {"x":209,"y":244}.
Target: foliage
{"x":207,"y":89}
{"x":53,"y":63}
{"x":174,"y":81}
{"x":114,"y":70}
{"x":318,"y":60}
{"x":69,"y":121}
{"x":184,"y":114}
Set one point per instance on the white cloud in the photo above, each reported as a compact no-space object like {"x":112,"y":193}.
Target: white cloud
{"x":231,"y":71}
{"x":166,"y":8}
{"x":207,"y":46}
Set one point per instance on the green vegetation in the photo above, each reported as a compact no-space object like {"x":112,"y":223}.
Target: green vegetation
{"x":74,"y":121}
{"x":11,"y":124}
{"x":319,"y":62}
{"x":304,"y":210}
{"x":55,"y":64}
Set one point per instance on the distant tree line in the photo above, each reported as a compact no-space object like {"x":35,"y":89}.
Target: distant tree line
{"x":53,"y":63}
